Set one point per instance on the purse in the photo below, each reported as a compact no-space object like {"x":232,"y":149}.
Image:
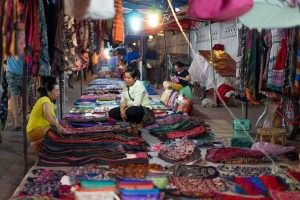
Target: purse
{"x":184,"y":104}
{"x":166,"y":96}
{"x":219,"y":10}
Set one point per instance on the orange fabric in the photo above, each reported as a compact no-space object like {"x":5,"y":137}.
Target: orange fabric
{"x":118,"y":25}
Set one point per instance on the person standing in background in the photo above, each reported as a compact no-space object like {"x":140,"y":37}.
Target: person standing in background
{"x":133,"y":57}
{"x":14,"y":78}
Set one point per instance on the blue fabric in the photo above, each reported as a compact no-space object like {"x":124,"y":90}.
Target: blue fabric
{"x":151,"y":91}
{"x":15,"y":66}
{"x":132,"y":56}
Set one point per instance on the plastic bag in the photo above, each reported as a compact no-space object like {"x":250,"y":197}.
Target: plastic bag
{"x":187,"y":92}
{"x":274,"y":149}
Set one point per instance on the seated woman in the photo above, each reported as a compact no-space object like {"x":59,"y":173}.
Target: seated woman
{"x":134,"y":99}
{"x":181,"y":74}
{"x":42,"y":115}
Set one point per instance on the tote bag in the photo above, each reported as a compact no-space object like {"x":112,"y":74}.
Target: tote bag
{"x":219,"y":10}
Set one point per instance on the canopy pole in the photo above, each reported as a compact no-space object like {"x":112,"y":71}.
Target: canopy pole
{"x":24,"y":107}
{"x":166,"y":62}
{"x":60,"y":96}
{"x":212,"y":62}
{"x":81,"y":77}
{"x":189,"y":48}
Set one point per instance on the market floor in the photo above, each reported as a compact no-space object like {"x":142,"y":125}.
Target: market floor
{"x":11,"y":149}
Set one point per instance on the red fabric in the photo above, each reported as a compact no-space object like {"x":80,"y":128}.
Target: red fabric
{"x":179,"y":134}
{"x":272,"y":183}
{"x":223,"y":89}
{"x":235,"y":197}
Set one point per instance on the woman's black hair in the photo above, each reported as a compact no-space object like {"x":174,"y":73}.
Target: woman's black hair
{"x":134,"y":73}
{"x":49,"y":86}
{"x":179,"y":64}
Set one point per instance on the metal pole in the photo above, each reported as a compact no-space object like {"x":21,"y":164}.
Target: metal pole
{"x":189,"y":49}
{"x":60,"y":96}
{"x":212,"y":62}
{"x":65,"y":93}
{"x":81,"y":77}
{"x":166,"y":62}
{"x":24,"y":107}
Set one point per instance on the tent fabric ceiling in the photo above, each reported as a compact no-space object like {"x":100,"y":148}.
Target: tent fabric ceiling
{"x":158,"y":4}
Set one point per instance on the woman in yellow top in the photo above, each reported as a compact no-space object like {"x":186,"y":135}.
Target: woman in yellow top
{"x":42,"y":115}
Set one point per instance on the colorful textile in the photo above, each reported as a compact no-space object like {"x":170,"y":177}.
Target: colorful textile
{"x":285,"y":195}
{"x":4,"y":101}
{"x":257,"y":185}
{"x":197,"y":187}
{"x":195,"y":171}
{"x":133,"y":171}
{"x":227,"y":170}
{"x":193,"y":133}
{"x":297,"y":77}
{"x":182,"y":152}
{"x":225,"y":153}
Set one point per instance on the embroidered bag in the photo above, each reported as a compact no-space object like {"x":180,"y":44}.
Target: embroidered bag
{"x":172,"y":99}
{"x":184,"y":104}
{"x":166,"y":95}
{"x":219,"y":10}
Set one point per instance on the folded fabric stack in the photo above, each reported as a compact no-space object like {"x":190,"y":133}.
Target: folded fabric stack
{"x":182,"y":152}
{"x":87,"y":148}
{"x":134,"y":171}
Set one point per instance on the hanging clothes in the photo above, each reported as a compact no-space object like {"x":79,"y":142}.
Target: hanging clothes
{"x":70,"y":41}
{"x":297,"y":77}
{"x":44,"y":67}
{"x":253,"y":66}
{"x":118,"y":26}
{"x":243,"y":34}
{"x":4,"y":100}
{"x":9,"y":21}
{"x":33,"y":39}
{"x":58,"y":48}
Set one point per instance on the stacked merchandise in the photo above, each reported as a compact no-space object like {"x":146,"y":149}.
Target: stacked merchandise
{"x":91,"y":136}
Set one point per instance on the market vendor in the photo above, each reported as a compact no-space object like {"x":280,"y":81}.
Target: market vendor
{"x":133,"y":57}
{"x":42,"y":115}
{"x":135,"y":100}
{"x":180,"y":79}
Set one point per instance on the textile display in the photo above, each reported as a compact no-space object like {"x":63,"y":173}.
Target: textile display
{"x":260,"y":185}
{"x":166,"y":96}
{"x":195,"y":187}
{"x":195,"y":171}
{"x":182,"y":152}
{"x":224,"y":153}
{"x":134,"y":171}
{"x":297,"y":77}
{"x":243,"y":171}
{"x":118,"y":26}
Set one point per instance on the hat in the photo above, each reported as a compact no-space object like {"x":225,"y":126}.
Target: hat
{"x":271,"y":14}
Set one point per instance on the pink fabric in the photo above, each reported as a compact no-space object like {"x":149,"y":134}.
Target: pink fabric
{"x":268,"y":147}
{"x":219,"y":10}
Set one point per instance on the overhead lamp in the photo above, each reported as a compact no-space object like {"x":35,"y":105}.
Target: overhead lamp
{"x":150,"y":37}
{"x":153,"y":20}
{"x":135,"y":20}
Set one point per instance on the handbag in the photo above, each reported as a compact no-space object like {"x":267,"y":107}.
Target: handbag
{"x":166,"y":96}
{"x":184,"y":104}
{"x":172,"y":99}
{"x":219,"y":10}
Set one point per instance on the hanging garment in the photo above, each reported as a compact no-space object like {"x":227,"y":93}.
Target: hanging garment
{"x":44,"y":68}
{"x":94,"y":9}
{"x":58,"y":51}
{"x":273,"y":55}
{"x":4,"y":101}
{"x":8,"y":29}
{"x":267,"y":44}
{"x":297,"y":77}
{"x":278,"y":71}
{"x":70,"y":41}
{"x":241,"y":63}
{"x":118,"y":26}
{"x":272,"y":14}
{"x":219,"y":10}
